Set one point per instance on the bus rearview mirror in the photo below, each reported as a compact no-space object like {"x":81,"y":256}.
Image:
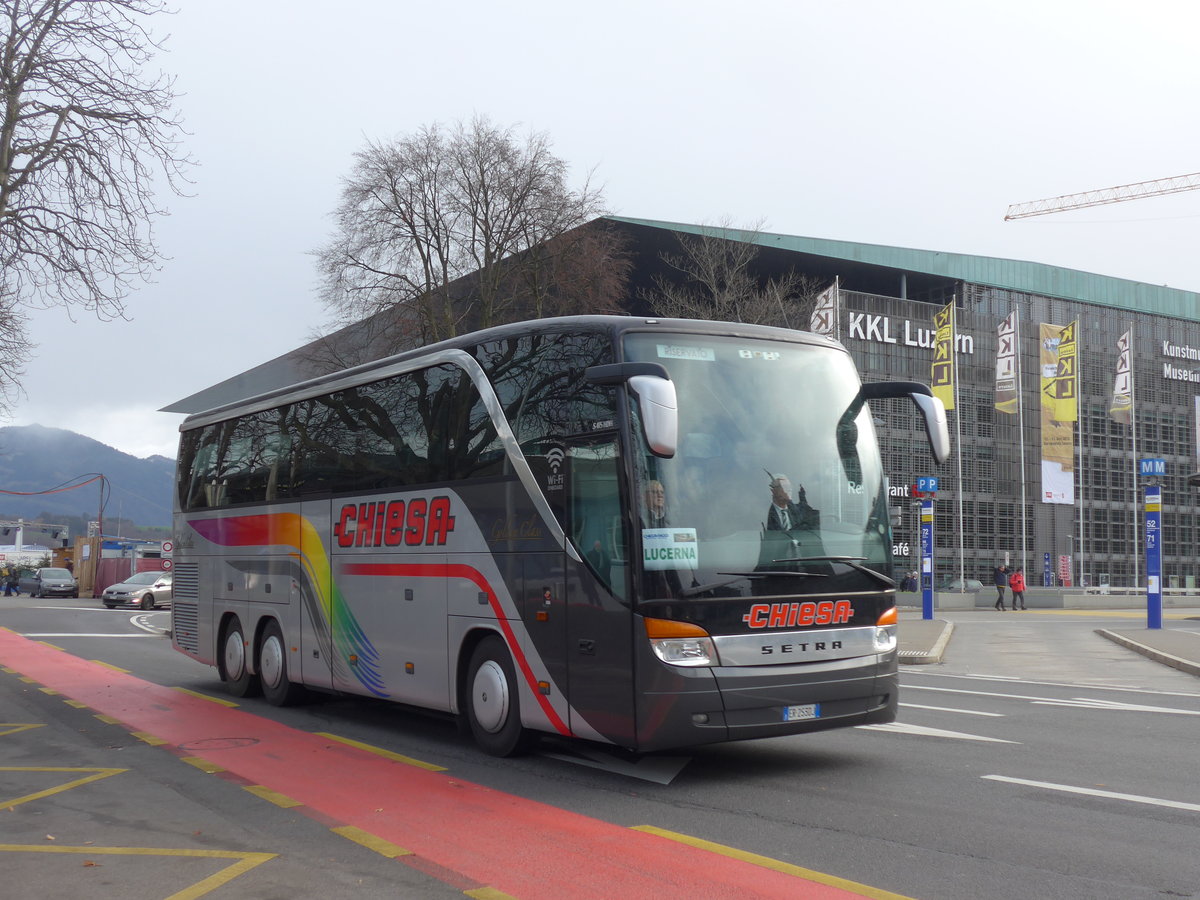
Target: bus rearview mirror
{"x":659,"y":413}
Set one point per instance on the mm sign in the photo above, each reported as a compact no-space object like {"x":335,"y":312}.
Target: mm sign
{"x":1152,"y":467}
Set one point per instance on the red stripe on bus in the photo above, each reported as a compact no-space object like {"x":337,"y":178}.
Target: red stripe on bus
{"x":436,"y":570}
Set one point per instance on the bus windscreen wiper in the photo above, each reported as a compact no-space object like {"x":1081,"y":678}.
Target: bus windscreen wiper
{"x":698,"y":589}
{"x":851,"y":561}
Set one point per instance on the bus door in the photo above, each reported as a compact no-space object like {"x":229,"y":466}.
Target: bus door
{"x":315,"y":583}
{"x":598,"y":644}
{"x":544,"y":610}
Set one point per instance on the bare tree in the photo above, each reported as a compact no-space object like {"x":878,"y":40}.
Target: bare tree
{"x":446,"y":230}
{"x":716,"y":278}
{"x":86,"y":135}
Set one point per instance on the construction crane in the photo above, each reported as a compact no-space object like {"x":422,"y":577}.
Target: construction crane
{"x":1156,"y":188}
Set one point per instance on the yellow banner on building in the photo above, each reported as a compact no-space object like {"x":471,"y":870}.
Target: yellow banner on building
{"x":1066,"y":379}
{"x":1058,"y":437}
{"x":942,"y":372}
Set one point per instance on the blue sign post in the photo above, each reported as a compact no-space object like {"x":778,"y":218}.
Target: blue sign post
{"x":1047,"y":571}
{"x":927,"y":559}
{"x":1154,"y":556}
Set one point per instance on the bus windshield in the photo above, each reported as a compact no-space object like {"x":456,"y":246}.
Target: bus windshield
{"x":777,"y":485}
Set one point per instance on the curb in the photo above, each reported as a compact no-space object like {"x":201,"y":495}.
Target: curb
{"x":933,"y":654}
{"x":1167,"y":659}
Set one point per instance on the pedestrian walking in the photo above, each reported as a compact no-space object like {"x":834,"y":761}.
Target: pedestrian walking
{"x":1017,"y":583}
{"x":1001,"y":581}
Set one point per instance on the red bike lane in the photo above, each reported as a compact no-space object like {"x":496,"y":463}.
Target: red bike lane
{"x":463,"y":833}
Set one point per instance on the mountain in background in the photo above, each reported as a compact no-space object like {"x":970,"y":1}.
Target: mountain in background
{"x":35,"y":458}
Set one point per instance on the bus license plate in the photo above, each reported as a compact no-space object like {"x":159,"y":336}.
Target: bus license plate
{"x":799,"y":713}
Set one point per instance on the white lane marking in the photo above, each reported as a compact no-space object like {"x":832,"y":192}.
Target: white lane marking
{"x":965,"y":712}
{"x":1087,"y":703}
{"x":1093,"y":792}
{"x":901,"y":728}
{"x":1054,"y":701}
{"x":74,"y":608}
{"x":71,"y":634}
{"x":1086,"y":687}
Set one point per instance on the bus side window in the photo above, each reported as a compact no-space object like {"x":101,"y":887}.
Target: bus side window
{"x":596,"y":525}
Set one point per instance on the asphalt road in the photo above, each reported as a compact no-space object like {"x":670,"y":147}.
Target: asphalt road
{"x":1037,"y":760}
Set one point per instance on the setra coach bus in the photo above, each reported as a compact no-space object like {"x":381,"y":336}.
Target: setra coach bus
{"x":647,"y":533}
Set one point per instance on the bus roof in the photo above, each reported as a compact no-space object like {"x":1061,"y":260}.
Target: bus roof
{"x":615,"y":325}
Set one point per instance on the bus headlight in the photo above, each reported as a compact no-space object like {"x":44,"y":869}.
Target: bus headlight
{"x":680,"y":643}
{"x":885,"y":631}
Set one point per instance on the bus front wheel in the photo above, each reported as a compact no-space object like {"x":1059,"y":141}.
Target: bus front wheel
{"x":493,"y":708}
{"x":232,"y":662}
{"x":273,"y":668}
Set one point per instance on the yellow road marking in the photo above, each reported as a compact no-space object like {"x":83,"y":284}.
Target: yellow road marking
{"x":51,"y":646}
{"x":107,"y":720}
{"x":78,"y":704}
{"x":244,"y":862}
{"x":488,"y":893}
{"x":97,"y":774}
{"x":863,"y":890}
{"x":220,"y":700}
{"x":101,"y":662}
{"x":371,"y":842}
{"x":379,"y":751}
{"x":51,"y":691}
{"x":272,"y":796}
{"x":14,"y":727}
{"x":202,"y":764}
{"x":28,"y":680}
{"x":148,"y":738}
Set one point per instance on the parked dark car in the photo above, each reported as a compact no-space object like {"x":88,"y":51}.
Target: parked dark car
{"x":145,"y":590}
{"x":49,"y":582}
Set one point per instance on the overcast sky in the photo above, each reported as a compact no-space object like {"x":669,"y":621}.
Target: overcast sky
{"x":912,"y":124}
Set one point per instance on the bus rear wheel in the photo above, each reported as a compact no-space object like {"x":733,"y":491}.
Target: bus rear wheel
{"x":273,"y":668}
{"x":493,"y":708}
{"x":232,"y":662}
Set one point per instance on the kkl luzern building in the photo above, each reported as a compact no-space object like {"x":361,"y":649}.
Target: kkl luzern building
{"x":1027,"y":485}
{"x":1044,"y":472}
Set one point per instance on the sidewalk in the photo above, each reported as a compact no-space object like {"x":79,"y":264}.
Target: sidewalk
{"x":1177,"y":644}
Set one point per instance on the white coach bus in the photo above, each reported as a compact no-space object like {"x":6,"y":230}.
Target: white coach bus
{"x":567,"y":526}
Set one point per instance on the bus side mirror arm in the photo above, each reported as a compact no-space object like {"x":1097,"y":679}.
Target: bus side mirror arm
{"x":933,"y":411}
{"x":657,"y":403}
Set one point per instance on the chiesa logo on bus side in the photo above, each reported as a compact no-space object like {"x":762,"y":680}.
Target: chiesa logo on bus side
{"x":391,"y":523}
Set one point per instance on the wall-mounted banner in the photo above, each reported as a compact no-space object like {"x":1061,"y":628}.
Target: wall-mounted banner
{"x":1006,"y":365}
{"x":1066,"y":379}
{"x":1058,"y":437}
{"x":1122,"y":399}
{"x":942,"y":372}
{"x":824,"y":319}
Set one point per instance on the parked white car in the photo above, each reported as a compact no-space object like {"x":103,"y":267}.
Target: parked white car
{"x":145,"y":590}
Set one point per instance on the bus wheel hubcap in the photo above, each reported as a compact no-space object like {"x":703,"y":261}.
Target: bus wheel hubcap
{"x":235,"y":655}
{"x":271,"y":663}
{"x":490,"y":697}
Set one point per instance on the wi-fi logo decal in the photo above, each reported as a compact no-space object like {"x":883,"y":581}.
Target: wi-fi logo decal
{"x":555,"y":457}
